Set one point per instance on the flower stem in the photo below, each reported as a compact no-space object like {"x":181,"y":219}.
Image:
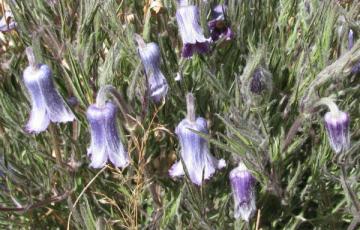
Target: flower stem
{"x":55,"y":141}
{"x":30,"y":56}
{"x":190,"y":107}
{"x":329,"y":103}
{"x":140,"y":41}
{"x":347,"y":189}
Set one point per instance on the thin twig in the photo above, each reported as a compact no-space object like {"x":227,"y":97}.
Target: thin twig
{"x":82,"y":192}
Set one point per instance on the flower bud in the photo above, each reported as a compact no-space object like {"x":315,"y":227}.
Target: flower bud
{"x":242,"y":185}
{"x":194,"y":41}
{"x":356,"y":67}
{"x":150,"y":57}
{"x":256,"y":80}
{"x":257,"y":84}
{"x":105,"y":141}
{"x":47,"y":104}
{"x":217,"y":25}
{"x":195,"y":152}
{"x":337,"y":127}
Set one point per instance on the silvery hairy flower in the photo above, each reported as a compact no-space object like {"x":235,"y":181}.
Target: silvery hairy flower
{"x":105,"y":140}
{"x":7,"y":22}
{"x":337,"y":126}
{"x":194,"y":151}
{"x":150,"y":57}
{"x":242,"y":185}
{"x":47,"y":104}
{"x":194,"y":41}
{"x":217,"y":24}
{"x":257,"y":84}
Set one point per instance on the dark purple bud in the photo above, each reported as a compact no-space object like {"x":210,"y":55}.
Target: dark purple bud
{"x":195,"y":152}
{"x":157,"y":84}
{"x":47,"y":104}
{"x":257,"y":85}
{"x":105,"y":141}
{"x":218,"y":26}
{"x":191,"y":32}
{"x":242,"y":185}
{"x":337,"y":127}
{"x":7,"y":22}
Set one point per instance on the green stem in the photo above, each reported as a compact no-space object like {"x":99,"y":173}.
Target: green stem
{"x":351,"y":195}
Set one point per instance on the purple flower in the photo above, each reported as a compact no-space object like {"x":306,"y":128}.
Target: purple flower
{"x":7,"y":22}
{"x":105,"y":141}
{"x":47,"y":104}
{"x":217,"y":25}
{"x":242,"y":185}
{"x":195,"y":152}
{"x":157,"y":84}
{"x":337,"y":127}
{"x":194,"y":41}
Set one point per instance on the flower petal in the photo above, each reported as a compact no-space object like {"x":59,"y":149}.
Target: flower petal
{"x":39,"y":119}
{"x":56,"y":108}
{"x":115,"y":149}
{"x":176,"y":170}
{"x":97,"y":149}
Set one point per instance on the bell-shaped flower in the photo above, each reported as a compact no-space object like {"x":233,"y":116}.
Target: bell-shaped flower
{"x":242,"y":186}
{"x":200,"y":164}
{"x":194,"y":41}
{"x":7,"y":22}
{"x":218,"y":26}
{"x":47,"y":104}
{"x":150,"y":57}
{"x":105,"y":140}
{"x":337,"y":126}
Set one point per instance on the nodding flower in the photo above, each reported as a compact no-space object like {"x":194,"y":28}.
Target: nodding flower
{"x":194,"y":41}
{"x":150,"y":57}
{"x":47,"y":104}
{"x":218,"y":26}
{"x":200,"y":164}
{"x":242,"y":185}
{"x":105,"y":141}
{"x":337,"y":126}
{"x":7,"y":22}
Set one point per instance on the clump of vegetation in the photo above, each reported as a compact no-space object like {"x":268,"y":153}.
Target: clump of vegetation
{"x":276,"y":84}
